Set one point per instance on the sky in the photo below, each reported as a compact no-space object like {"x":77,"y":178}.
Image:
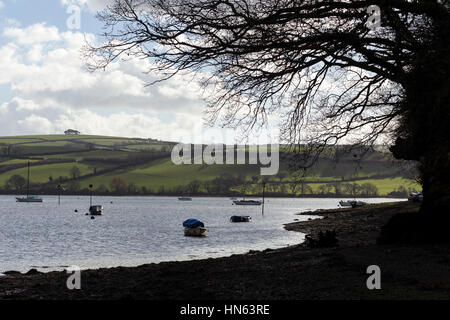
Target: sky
{"x":46,"y":89}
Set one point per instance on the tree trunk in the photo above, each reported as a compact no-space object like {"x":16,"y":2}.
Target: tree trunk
{"x":424,"y":136}
{"x":431,"y":92}
{"x":435,"y":177}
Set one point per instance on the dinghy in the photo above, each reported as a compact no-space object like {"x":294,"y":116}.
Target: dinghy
{"x":241,"y":219}
{"x":96,"y":210}
{"x":195,"y":232}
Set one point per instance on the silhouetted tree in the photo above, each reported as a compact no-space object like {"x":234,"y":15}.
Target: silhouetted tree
{"x":337,"y":188}
{"x":74,"y":186}
{"x":400,"y":192}
{"x":132,"y":188}
{"x":369,"y":190}
{"x":325,"y":189}
{"x":209,"y":187}
{"x":118,"y":185}
{"x":282,"y":188}
{"x":293,"y":187}
{"x":305,"y":188}
{"x":351,"y":189}
{"x":193,"y":187}
{"x":102,"y":189}
{"x":16,"y":181}
{"x":161,"y":190}
{"x":281,"y":176}
{"x":75,"y":172}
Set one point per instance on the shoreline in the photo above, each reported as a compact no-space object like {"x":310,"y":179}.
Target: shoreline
{"x":306,"y":196}
{"x":293,"y":272}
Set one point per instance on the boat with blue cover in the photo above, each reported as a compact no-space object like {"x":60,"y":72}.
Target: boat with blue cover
{"x":194,"y":228}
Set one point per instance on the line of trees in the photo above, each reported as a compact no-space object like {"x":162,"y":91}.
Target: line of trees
{"x":225,"y":184}
{"x":228,"y":185}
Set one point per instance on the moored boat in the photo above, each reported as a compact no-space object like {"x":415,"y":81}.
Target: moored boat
{"x":29,"y":198}
{"x":358,"y":204}
{"x":195,"y":232}
{"x":416,"y":197}
{"x":247,"y":202}
{"x":96,"y":210}
{"x":352,"y":203}
{"x":194,"y":228}
{"x":241,"y":219}
{"x":185,"y":198}
{"x":347,"y":203}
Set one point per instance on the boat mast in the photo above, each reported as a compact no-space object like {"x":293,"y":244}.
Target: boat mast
{"x":28,"y":180}
{"x":263,"y":189}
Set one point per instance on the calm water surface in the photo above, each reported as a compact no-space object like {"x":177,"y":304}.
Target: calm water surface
{"x":138,"y":230}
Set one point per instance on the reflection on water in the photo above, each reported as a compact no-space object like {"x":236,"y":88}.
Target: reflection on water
{"x":138,"y":230}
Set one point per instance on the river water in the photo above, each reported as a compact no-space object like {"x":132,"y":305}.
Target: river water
{"x":138,"y":230}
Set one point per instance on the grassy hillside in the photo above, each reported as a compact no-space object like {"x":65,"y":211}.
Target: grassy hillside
{"x":144,"y":166}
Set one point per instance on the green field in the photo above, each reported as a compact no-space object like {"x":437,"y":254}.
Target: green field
{"x":165,"y":173}
{"x":384,"y":185}
{"x":43,"y":172}
{"x":101,"y":159}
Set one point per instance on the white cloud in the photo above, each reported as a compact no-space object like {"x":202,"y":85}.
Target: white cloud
{"x":34,"y":123}
{"x":92,"y":5}
{"x":44,"y":65}
{"x":35,"y":53}
{"x":1,"y":5}
{"x":52,"y":91}
{"x":20,"y":104}
{"x":36,"y":33}
{"x":12,"y":22}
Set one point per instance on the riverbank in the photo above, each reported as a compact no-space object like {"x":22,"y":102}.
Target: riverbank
{"x":204,"y":195}
{"x":296,"y":272}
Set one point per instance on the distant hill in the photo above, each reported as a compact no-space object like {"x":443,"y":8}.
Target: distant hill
{"x":143,"y":166}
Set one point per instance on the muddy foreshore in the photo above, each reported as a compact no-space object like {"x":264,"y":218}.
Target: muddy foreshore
{"x":296,"y":272}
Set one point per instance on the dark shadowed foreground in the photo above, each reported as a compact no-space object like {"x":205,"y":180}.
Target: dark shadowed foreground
{"x":297,"y":272}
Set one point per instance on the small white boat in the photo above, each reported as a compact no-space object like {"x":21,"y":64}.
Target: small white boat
{"x":247,"y":202}
{"x":29,"y":198}
{"x":185,"y":198}
{"x":96,"y":210}
{"x":195,"y":232}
